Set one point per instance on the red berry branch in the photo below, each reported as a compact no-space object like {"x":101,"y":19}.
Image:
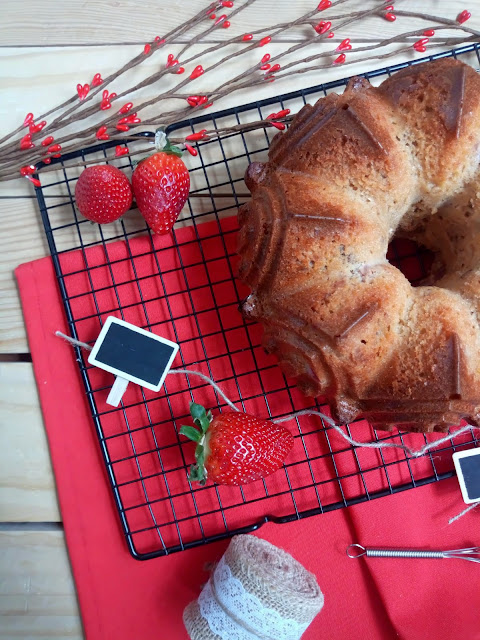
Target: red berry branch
{"x":116,"y":113}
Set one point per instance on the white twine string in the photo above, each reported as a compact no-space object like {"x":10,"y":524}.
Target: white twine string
{"x":210,"y":381}
{"x":462,"y":513}
{"x":413,"y":453}
{"x":88,"y":347}
{"x":73,"y":342}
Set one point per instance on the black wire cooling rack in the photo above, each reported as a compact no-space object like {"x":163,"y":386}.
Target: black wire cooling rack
{"x":182,"y":286}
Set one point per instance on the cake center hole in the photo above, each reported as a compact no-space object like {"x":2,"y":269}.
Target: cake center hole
{"x":413,"y":260}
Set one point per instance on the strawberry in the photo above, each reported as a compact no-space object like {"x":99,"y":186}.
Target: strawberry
{"x":235,"y":448}
{"x":103,"y":193}
{"x":161,"y":184}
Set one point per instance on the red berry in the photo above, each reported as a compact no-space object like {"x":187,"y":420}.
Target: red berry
{"x":191,"y":150}
{"x":27,"y":170}
{"x":322,"y":27}
{"x":419,"y":45}
{"x":29,"y":118}
{"x":344,"y":45}
{"x":264,"y":41}
{"x":197,"y":136}
{"x":161,"y":184}
{"x":34,"y":181}
{"x":26,"y":142}
{"x":103,"y":193}
{"x":463,"y":16}
{"x":235,"y":448}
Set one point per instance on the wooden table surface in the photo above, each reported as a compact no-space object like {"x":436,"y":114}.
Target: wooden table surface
{"x":45,"y":49}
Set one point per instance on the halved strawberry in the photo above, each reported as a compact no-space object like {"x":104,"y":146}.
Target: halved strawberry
{"x":235,"y":448}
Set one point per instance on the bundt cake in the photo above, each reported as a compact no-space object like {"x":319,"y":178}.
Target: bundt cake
{"x":353,"y":171}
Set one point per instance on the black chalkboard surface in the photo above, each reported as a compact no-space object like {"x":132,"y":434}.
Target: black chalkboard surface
{"x":133,"y":353}
{"x":467,"y":465}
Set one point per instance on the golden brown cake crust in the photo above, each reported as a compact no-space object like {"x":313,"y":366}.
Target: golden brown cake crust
{"x":350,"y":172}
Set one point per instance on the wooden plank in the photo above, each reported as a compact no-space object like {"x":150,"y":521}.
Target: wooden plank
{"x":27,"y":487}
{"x":37,"y":593}
{"x":93,"y":22}
{"x":22,"y":239}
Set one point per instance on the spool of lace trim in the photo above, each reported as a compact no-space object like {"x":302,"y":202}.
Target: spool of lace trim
{"x":256,"y":592}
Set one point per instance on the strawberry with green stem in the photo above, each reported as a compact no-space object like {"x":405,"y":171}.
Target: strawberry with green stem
{"x":161,"y":183}
{"x":235,"y":448}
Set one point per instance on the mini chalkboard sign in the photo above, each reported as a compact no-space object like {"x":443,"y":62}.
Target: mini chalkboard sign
{"x":467,"y":466}
{"x":133,"y":355}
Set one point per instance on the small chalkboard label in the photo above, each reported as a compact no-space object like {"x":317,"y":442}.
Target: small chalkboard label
{"x":467,"y":466}
{"x":133,"y":355}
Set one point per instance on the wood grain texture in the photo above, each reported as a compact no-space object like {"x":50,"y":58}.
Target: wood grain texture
{"x":21,"y":240}
{"x":27,"y":487}
{"x":102,"y":22}
{"x":37,"y":594}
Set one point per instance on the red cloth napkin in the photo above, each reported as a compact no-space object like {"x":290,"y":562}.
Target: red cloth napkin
{"x":123,"y":598}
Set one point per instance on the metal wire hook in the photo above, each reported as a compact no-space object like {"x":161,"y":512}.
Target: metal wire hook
{"x":359,"y":554}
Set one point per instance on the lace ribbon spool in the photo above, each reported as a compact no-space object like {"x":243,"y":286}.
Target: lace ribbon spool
{"x":256,"y":592}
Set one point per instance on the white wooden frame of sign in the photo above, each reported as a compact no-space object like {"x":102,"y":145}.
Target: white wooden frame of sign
{"x":122,"y":377}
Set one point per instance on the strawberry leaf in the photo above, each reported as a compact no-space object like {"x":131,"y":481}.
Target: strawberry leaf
{"x":202,"y":419}
{"x":197,"y":474}
{"x":197,"y":411}
{"x":171,"y":149}
{"x":200,"y":416}
{"x":200,"y":455}
{"x":191,"y":433}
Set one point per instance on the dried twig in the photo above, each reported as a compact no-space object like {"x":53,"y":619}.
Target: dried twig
{"x":267,"y":69}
